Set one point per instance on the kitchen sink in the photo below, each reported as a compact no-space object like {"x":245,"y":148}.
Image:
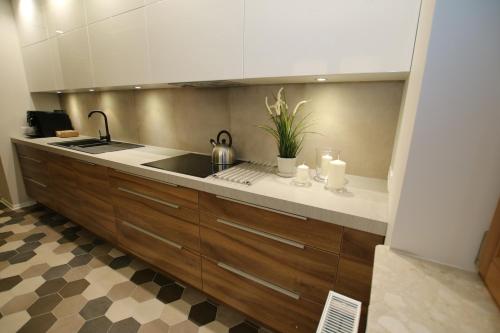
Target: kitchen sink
{"x":95,"y":146}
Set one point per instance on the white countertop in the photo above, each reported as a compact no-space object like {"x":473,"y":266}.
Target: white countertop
{"x":413,"y":295}
{"x":364,"y":207}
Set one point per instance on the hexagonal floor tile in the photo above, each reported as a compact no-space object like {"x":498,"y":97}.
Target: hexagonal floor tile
{"x":74,"y":288}
{"x":120,"y":262}
{"x":38,"y":324}
{"x":34,"y":237}
{"x":96,"y":308}
{"x":70,"y":306}
{"x":9,"y":282}
{"x":162,"y":280}
{"x":155,"y":326}
{"x":244,"y":327}
{"x":56,"y":272}
{"x":51,"y":286}
{"x":121,"y":290}
{"x":44,"y":304}
{"x":80,"y":260}
{"x":202,"y":313}
{"x":21,"y":257}
{"x":28,"y":247}
{"x":184,"y":327}
{"x":129,"y":325}
{"x":170,"y":293}
{"x":96,"y":325}
{"x":68,"y":324}
{"x":143,"y":276}
{"x":19,"y":303}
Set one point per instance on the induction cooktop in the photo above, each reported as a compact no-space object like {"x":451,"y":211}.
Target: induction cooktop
{"x":192,"y":164}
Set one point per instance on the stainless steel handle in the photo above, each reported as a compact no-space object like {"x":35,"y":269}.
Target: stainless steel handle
{"x":30,"y":158}
{"x":147,"y":197}
{"x":263,"y":234}
{"x":161,"y":239}
{"x":264,"y":208}
{"x":148,"y":178}
{"x":259,"y":281}
{"x":35,"y":182}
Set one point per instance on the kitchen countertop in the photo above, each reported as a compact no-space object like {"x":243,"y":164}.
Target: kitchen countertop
{"x":413,"y":295}
{"x":364,"y":207}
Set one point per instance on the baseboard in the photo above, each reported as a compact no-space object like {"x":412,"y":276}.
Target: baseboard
{"x":17,"y":206}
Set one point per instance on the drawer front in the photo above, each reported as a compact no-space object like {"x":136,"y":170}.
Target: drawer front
{"x":94,"y":179}
{"x":34,"y":168}
{"x":39,"y":191}
{"x":159,"y":218}
{"x":354,"y":279}
{"x":178,"y":195}
{"x":308,"y":272}
{"x":322,"y":235}
{"x":259,"y":300}
{"x":65,"y":189}
{"x":35,"y":154}
{"x":97,"y":215}
{"x":166,"y":255}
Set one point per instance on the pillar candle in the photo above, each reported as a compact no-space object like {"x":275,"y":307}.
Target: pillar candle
{"x":303,"y":173}
{"x":325,"y":160}
{"x":336,"y":174}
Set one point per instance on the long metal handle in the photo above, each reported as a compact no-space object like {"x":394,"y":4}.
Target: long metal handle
{"x":30,"y":158}
{"x":35,"y":182}
{"x":147,"y":178}
{"x":264,"y":208}
{"x":263,"y":234}
{"x":259,"y":281}
{"x":161,"y":239}
{"x":147,"y":197}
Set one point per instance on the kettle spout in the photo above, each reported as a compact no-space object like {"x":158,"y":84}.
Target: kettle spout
{"x":212,"y":141}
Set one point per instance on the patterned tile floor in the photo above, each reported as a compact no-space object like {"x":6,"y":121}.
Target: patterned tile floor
{"x":57,"y":277}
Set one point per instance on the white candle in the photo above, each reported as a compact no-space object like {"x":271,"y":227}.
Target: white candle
{"x":336,"y":175}
{"x":325,"y":160}
{"x":303,"y":173}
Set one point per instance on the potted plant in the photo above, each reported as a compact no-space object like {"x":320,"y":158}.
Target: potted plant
{"x":288,"y":130}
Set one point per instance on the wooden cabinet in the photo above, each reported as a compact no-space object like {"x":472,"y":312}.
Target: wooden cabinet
{"x":489,"y":259}
{"x":195,"y":40}
{"x":320,"y":37}
{"x":119,"y":50}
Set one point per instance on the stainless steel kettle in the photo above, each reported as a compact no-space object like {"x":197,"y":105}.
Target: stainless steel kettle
{"x":222,"y":153}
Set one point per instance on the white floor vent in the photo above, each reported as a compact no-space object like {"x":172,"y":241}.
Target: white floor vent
{"x":340,"y":315}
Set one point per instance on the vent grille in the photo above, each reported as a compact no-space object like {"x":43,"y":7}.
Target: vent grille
{"x":340,"y":315}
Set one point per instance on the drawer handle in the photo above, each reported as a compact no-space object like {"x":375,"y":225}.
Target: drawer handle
{"x":85,"y":162}
{"x":35,"y":182}
{"x":147,"y":197}
{"x":161,"y":239}
{"x":260,"y":233}
{"x":259,"y":281}
{"x":30,"y":158}
{"x":147,"y":178}
{"x":264,"y":208}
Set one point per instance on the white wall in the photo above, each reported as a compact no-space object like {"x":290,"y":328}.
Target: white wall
{"x":14,"y":101}
{"x":452,"y":180}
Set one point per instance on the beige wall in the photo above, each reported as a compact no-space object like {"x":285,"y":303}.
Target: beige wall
{"x":14,"y":101}
{"x":358,"y":118}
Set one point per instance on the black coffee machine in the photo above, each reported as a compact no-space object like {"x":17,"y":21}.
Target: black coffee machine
{"x":46,"y":123}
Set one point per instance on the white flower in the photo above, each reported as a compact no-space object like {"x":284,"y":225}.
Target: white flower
{"x":299,"y":104}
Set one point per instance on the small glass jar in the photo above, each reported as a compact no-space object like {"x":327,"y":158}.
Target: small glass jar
{"x":323,"y":158}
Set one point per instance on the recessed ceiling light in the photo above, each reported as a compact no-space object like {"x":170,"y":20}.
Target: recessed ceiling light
{"x":59,"y":92}
{"x":320,"y":79}
{"x":59,"y":31}
{"x":91,"y":89}
{"x":137,"y":87}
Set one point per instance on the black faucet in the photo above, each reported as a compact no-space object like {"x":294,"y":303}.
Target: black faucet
{"x":106,"y":137}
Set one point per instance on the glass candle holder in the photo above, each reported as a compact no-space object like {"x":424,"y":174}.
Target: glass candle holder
{"x":323,"y":158}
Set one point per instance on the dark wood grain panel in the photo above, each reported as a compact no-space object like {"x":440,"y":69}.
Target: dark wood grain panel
{"x":321,"y":235}
{"x":178,"y":195}
{"x":40,"y":192}
{"x":305,"y":271}
{"x":33,"y":153}
{"x":93,"y":179}
{"x":181,"y":263}
{"x":354,"y":279}
{"x":360,"y":245}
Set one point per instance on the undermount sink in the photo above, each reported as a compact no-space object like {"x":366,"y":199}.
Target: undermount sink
{"x":95,"y":146}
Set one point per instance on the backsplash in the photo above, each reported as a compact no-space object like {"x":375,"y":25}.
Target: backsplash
{"x":358,"y":118}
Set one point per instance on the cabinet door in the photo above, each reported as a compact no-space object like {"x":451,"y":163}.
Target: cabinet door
{"x":119,"y":49}
{"x":30,"y":20}
{"x":43,"y":68}
{"x":75,"y":59}
{"x":63,"y":16}
{"x":98,"y":9}
{"x":195,"y":40}
{"x":293,"y":38}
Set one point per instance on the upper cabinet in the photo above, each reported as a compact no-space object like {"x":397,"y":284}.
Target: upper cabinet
{"x":64,"y":15}
{"x":30,"y":20}
{"x":75,"y":60}
{"x":195,"y":40}
{"x":101,"y":9}
{"x":295,"y":38}
{"x":42,"y":65}
{"x":119,"y":50}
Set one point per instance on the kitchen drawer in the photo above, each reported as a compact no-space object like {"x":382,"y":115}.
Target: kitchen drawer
{"x":93,"y":178}
{"x":178,"y":195}
{"x":34,"y":168}
{"x":354,"y":278}
{"x":159,"y":218}
{"x":97,"y":215}
{"x":321,"y":235}
{"x":260,"y":300}
{"x":39,"y":191}
{"x":34,"y":153}
{"x":163,"y":253}
{"x":306,"y":271}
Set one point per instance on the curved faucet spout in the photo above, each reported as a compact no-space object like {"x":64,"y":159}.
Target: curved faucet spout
{"x":106,"y":137}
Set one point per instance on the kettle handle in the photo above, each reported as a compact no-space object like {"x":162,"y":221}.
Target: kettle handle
{"x":228,"y":135}
{"x":212,"y":141}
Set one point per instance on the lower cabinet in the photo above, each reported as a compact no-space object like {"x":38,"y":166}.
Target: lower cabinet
{"x":274,"y":267}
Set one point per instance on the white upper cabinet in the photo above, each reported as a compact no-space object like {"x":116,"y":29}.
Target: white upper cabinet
{"x":294,"y":38}
{"x":195,"y":40}
{"x":101,"y":9}
{"x":75,"y":59}
{"x":41,"y":62}
{"x":30,"y":20}
{"x":119,"y":50}
{"x":64,"y":15}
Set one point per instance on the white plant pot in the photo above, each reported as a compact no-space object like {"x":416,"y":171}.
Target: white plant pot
{"x":286,"y":167}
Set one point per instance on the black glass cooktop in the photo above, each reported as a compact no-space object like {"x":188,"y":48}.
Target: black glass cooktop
{"x":197,"y":165}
